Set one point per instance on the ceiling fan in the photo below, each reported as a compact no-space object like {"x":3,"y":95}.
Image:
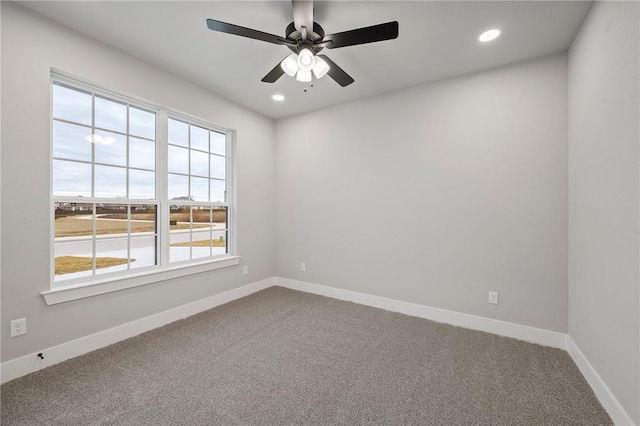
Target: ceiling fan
{"x":306,"y":38}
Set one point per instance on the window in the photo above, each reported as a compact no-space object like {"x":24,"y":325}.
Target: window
{"x":197,"y":191}
{"x":135,"y":187}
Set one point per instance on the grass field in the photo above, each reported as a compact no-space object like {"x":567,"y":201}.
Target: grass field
{"x":76,"y":226}
{"x":69,"y":264}
{"x":199,"y":216}
{"x":201,"y":243}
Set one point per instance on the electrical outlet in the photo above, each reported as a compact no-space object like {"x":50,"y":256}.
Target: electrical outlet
{"x":493,"y":297}
{"x":303,"y":267}
{"x":18,"y":327}
{"x":245,"y":270}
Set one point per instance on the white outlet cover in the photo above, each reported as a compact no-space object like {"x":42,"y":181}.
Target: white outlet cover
{"x":18,"y":327}
{"x":245,"y":270}
{"x":303,"y":267}
{"x":493,"y":297}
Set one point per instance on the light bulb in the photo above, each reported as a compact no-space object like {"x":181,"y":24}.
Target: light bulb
{"x":290,"y":64}
{"x":306,"y":61}
{"x":321,"y":68}
{"x":489,"y":35}
{"x":303,"y":76}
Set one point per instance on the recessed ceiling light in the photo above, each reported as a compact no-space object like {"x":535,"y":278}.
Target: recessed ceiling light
{"x":278,"y":98}
{"x":489,"y":35}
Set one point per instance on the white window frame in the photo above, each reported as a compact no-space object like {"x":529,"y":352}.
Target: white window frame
{"x":76,"y":288}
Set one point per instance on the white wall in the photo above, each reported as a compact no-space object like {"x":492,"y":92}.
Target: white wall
{"x":604,"y":190}
{"x":435,"y":194}
{"x":31,"y":46}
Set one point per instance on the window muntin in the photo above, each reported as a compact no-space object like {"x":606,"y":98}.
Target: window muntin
{"x":109,"y":186}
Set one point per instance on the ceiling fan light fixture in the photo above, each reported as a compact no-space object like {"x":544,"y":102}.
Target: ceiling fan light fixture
{"x":303,"y":76}
{"x":306,"y":60}
{"x":290,"y":64}
{"x":320,"y":68}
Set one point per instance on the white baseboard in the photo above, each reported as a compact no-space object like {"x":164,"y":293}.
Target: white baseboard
{"x":600,"y":388}
{"x":502,"y":328}
{"x":24,"y":365}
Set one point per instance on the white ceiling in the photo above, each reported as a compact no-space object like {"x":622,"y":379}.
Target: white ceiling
{"x":437,"y":40}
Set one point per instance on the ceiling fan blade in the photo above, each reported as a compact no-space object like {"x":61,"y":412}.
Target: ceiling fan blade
{"x":224,"y":27}
{"x":303,"y":14}
{"x":337,"y":73}
{"x":380,"y":32}
{"x":274,"y":74}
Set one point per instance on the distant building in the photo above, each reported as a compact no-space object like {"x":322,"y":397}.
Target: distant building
{"x":177,"y":207}
{"x":74,"y":207}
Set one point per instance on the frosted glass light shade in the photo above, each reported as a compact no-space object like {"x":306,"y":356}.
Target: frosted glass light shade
{"x":306,"y":61}
{"x":303,"y":76}
{"x":321,"y":68}
{"x":290,"y":64}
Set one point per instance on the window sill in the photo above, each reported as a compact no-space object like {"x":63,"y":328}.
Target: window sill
{"x":66,"y":293}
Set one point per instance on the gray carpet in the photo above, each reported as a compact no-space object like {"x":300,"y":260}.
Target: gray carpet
{"x":282,"y":357}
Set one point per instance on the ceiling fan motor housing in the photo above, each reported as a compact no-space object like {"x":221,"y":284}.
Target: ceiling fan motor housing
{"x":317,"y":35}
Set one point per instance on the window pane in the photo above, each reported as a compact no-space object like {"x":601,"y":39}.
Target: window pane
{"x":110,"y":182}
{"x":73,"y":260}
{"x":111,"y":255}
{"x":219,"y":218}
{"x":218,"y":167}
{"x":200,"y":243}
{"x":142,"y":154}
{"x":143,"y":252}
{"x":71,"y":141}
{"x":200,"y":217}
{"x":143,"y":220}
{"x":180,"y":236}
{"x":199,"y":138}
{"x":217,"y":190}
{"x":112,"y":219}
{"x":179,"y":218}
{"x":219,"y":242}
{"x":111,"y":148}
{"x":218,"y":143}
{"x":199,"y":163}
{"x":72,"y":105}
{"x":71,"y":179}
{"x":178,"y":187}
{"x":199,"y":189}
{"x":178,"y":133}
{"x":142,"y":185}
{"x":179,"y":253}
{"x":73,"y":220}
{"x":142,"y":123}
{"x":178,"y":160}
{"x":110,"y":115}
